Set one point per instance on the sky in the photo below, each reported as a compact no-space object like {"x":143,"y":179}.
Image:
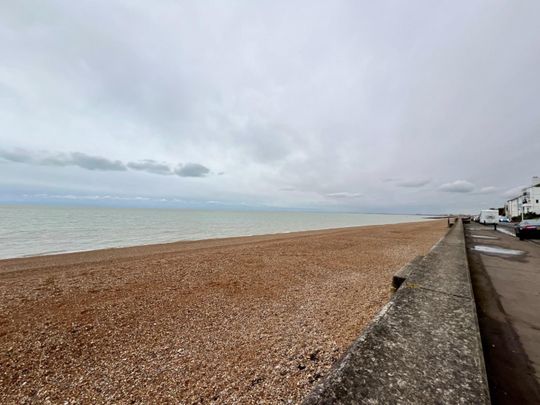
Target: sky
{"x":362,"y":106}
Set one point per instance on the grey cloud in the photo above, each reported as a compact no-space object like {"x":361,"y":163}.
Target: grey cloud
{"x":344,"y":194}
{"x":487,"y":190}
{"x":94,"y":162}
{"x":458,"y":186}
{"x":192,"y":170}
{"x":151,"y":166}
{"x":86,"y":197}
{"x":267,"y":143}
{"x":17,"y":156}
{"x":82,"y":160}
{"x":414,"y":183}
{"x":90,"y":162}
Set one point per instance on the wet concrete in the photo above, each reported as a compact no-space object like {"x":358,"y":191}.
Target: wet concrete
{"x":507,"y":292}
{"x":506,"y":230}
{"x":483,"y":237}
{"x":497,"y":251}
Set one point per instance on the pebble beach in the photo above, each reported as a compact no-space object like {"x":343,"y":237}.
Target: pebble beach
{"x":238,"y":320}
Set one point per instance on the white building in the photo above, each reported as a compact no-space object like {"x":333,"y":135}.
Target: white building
{"x":527,"y":201}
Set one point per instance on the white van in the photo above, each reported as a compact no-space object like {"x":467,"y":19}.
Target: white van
{"x":489,"y":217}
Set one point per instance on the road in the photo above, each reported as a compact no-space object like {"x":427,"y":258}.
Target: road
{"x":505,"y":273}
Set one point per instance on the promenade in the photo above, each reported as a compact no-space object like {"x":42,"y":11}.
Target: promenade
{"x":506,"y":280}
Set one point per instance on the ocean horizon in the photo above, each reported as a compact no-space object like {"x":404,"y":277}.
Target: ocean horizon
{"x":32,"y":230}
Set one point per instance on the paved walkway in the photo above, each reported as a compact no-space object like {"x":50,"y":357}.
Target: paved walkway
{"x":506,"y":279}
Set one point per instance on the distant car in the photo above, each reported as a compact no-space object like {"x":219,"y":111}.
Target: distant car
{"x":528,"y":229}
{"x":504,"y":219}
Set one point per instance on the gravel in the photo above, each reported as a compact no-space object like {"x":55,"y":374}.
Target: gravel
{"x":239,"y":320}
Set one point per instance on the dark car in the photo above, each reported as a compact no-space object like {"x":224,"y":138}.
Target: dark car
{"x":528,"y":229}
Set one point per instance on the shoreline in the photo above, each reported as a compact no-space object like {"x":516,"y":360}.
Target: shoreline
{"x":167,"y":247}
{"x":246,"y":319}
{"x":30,"y":232}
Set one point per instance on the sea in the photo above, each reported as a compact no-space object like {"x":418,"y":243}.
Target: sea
{"x":43,"y":230}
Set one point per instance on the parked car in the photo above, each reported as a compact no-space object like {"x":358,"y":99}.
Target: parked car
{"x":504,"y":219}
{"x":528,"y":229}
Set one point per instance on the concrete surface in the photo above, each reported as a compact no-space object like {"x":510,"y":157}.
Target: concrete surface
{"x":424,"y":347}
{"x":402,"y":274}
{"x":507,"y":287}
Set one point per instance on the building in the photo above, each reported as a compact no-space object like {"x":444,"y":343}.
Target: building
{"x":527,"y":201}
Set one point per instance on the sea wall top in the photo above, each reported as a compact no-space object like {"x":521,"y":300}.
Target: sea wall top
{"x":424,"y":346}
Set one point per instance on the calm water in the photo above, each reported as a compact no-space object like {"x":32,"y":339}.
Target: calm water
{"x":34,"y":230}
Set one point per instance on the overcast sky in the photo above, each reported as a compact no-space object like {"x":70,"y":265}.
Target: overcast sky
{"x":391,"y":106}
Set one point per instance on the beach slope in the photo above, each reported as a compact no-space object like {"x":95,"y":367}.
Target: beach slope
{"x":254,"y":319}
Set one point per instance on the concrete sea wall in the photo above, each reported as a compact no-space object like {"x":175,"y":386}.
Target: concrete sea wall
{"x":424,"y":347}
